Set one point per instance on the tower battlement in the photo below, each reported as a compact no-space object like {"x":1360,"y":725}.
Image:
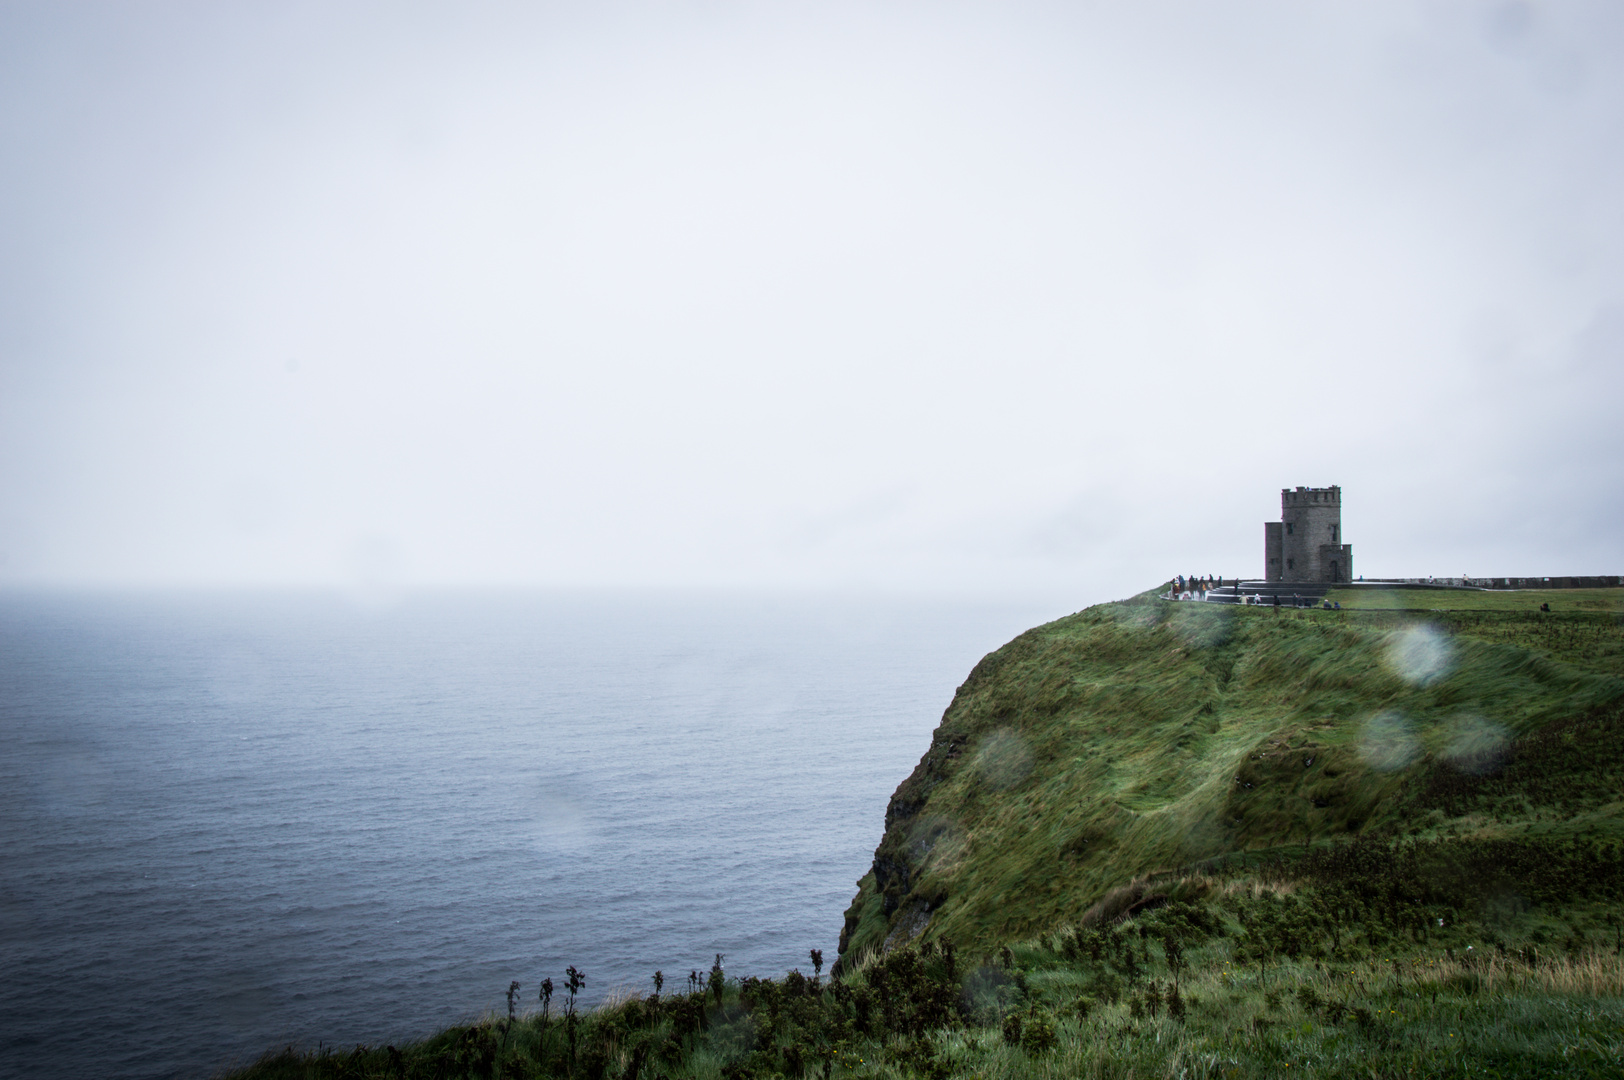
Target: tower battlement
{"x":1306,"y":543}
{"x":1311,"y":496}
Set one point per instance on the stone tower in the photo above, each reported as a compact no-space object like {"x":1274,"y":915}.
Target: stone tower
{"x":1306,"y":543}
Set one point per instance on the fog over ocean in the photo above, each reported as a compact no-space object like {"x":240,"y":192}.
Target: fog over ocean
{"x":790,"y":306}
{"x":231,"y":822}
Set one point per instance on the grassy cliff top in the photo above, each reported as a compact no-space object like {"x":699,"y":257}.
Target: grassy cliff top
{"x":1158,"y":839}
{"x":1143,"y":736}
{"x":1526,"y":601}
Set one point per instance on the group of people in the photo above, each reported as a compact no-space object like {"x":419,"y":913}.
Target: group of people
{"x":1194,"y":588}
{"x":1197,"y":588}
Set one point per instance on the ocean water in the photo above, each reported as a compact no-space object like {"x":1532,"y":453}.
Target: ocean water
{"x":229,"y":823}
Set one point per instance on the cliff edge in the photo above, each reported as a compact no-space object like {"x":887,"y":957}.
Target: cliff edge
{"x":1139,"y":737}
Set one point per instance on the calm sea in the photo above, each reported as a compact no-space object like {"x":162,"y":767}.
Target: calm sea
{"x":231,"y":823}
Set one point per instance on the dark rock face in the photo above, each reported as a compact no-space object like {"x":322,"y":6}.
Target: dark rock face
{"x":894,"y":868}
{"x":847,"y":930}
{"x":894,"y":871}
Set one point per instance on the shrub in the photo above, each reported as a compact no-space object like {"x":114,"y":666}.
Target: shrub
{"x":1039,"y":1034}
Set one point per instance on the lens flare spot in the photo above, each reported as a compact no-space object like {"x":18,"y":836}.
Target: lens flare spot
{"x":1476,"y":746}
{"x":1420,"y":655}
{"x":1388,"y":742}
{"x":937,"y":844}
{"x":1003,"y":759}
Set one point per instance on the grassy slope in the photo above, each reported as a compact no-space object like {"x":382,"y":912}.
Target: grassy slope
{"x":1472,"y":929}
{"x":1142,"y":736}
{"x":1039,"y":1014}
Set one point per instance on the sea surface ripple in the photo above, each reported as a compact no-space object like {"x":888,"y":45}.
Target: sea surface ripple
{"x":230,"y":823}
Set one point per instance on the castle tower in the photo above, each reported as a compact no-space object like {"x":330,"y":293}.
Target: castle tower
{"x":1306,"y":543}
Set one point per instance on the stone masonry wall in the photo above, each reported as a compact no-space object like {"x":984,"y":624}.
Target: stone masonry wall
{"x":1310,"y":537}
{"x":1336,"y":562}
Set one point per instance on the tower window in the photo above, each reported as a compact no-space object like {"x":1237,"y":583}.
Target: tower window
{"x":1288,"y":528}
{"x":1291,"y":564}
{"x":1333,"y":534}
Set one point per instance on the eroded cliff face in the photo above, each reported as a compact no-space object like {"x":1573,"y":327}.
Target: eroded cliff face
{"x":1141,"y":736}
{"x":895,"y":869}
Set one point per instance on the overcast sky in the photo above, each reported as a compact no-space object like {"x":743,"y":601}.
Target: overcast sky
{"x":1048,"y":299}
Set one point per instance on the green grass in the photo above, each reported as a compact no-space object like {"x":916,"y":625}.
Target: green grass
{"x":1138,"y":737}
{"x":1386,"y":841}
{"x":1368,"y":598}
{"x":1230,"y":1031}
{"x":1463,"y":1000}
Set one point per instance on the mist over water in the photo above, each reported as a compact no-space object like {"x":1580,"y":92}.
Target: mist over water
{"x":852,"y":297}
{"x":230,"y":823}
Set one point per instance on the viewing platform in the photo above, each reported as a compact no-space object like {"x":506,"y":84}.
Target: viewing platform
{"x":1311,"y":593}
{"x":1291,"y":593}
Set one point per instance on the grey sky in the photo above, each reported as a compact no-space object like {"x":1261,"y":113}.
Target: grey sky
{"x":993,"y":298}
